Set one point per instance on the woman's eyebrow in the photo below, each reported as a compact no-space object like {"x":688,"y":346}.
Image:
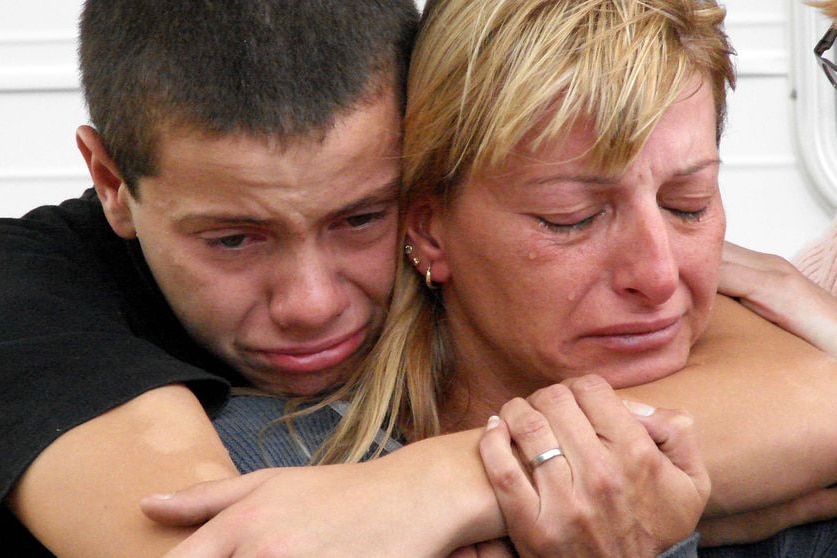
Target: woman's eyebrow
{"x":579,"y":178}
{"x":699,"y":166}
{"x":604,"y":180}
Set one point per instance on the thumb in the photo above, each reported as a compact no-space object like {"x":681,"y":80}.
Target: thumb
{"x":201,"y":502}
{"x":674,"y":433}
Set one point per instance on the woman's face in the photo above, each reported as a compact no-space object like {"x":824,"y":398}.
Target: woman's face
{"x":552,"y":269}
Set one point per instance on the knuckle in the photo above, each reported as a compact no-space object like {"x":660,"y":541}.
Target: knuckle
{"x":504,"y":479}
{"x":544,"y":540}
{"x":643,"y":456}
{"x":580,"y":520}
{"x":486,"y":443}
{"x":681,"y":421}
{"x":608,"y":487}
{"x":556,"y":394}
{"x":605,"y":479}
{"x":530,"y":426}
{"x":776,"y":262}
{"x":590,"y":383}
{"x":512,"y":406}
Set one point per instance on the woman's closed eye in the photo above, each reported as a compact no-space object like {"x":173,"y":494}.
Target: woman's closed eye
{"x":689,"y":216}
{"x":564,"y":226}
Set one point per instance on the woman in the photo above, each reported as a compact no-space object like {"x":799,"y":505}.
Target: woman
{"x":665,"y":255}
{"x":615,"y":222}
{"x":596,"y":198}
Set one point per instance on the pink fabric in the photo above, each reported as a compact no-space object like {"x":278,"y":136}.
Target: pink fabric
{"x":819,"y":260}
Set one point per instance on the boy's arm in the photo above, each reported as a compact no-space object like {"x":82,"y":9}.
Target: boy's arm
{"x":426,"y":499}
{"x":762,"y":401}
{"x":80,"y":496}
{"x":77,"y":319}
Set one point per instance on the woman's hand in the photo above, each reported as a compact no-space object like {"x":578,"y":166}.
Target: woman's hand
{"x":772,"y":287}
{"x":625,"y":485}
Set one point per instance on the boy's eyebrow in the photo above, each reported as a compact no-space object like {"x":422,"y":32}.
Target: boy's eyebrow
{"x":220,"y":217}
{"x":386,"y":193}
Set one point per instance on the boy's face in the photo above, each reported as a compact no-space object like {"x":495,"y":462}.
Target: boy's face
{"x":278,"y":258}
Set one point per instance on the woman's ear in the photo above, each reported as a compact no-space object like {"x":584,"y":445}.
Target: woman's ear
{"x":425,"y":223}
{"x":111,"y":189}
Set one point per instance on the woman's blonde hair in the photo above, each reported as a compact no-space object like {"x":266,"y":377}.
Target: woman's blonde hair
{"x":483,"y":74}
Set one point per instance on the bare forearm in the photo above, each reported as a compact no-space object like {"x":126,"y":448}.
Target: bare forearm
{"x":762,"y":400}
{"x":763,"y":403}
{"x":80,"y":497}
{"x":446,"y":480}
{"x":424,"y":500}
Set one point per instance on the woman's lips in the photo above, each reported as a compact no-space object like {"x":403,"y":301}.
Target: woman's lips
{"x":637,"y":337}
{"x":307,"y":359}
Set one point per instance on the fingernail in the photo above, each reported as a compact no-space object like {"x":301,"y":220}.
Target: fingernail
{"x":493,"y":422}
{"x":166,"y":496}
{"x":639,"y":409}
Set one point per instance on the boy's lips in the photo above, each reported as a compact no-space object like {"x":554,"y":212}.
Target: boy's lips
{"x":315,"y":357}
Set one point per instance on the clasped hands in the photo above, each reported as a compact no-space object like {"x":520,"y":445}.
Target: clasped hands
{"x":628,"y":484}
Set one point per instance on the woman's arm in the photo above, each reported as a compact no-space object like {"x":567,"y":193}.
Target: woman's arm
{"x":80,"y":496}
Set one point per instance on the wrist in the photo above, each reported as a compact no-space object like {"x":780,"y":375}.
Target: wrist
{"x":448,"y":497}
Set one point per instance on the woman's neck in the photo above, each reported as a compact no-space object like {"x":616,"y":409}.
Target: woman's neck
{"x":483,"y":379}
{"x":476,"y":391}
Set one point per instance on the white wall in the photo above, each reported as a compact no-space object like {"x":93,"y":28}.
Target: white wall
{"x":772,"y":205}
{"x":40,"y":106}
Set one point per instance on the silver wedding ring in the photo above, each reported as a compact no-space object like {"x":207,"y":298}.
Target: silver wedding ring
{"x":542,"y":458}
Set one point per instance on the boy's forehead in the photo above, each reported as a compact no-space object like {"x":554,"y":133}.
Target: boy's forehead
{"x":262,"y":177}
{"x":366,"y":127}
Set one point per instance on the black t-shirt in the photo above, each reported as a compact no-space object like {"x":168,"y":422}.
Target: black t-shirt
{"x":84,"y":329}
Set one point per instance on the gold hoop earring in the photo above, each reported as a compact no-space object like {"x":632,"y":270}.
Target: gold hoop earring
{"x":428,"y":278}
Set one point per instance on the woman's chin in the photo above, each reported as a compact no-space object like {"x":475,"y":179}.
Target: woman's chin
{"x":633,"y":370}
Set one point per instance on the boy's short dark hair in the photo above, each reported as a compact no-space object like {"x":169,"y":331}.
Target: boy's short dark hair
{"x":285,"y":68}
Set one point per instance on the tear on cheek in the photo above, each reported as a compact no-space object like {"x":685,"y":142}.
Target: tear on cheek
{"x":534,"y":248}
